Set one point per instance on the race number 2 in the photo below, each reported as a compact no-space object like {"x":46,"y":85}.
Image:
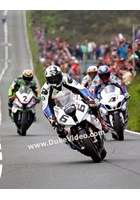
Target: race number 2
{"x":24,"y":98}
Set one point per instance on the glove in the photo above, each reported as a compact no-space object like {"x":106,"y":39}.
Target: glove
{"x":10,"y":101}
{"x":97,"y":102}
{"x":11,"y":98}
{"x":93,"y":102}
{"x":53,"y":122}
{"x":127,"y":95}
{"x":37,"y":100}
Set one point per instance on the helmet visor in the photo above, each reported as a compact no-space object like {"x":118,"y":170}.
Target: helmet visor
{"x":56,"y":79}
{"x":27,"y":79}
{"x":104,"y":77}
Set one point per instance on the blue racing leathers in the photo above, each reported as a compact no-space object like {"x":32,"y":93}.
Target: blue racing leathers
{"x":98,"y":85}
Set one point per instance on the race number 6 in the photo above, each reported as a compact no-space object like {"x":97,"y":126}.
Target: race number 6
{"x":64,"y":118}
{"x":81,"y":107}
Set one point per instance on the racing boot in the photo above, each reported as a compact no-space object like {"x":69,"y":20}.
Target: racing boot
{"x":62,"y":134}
{"x":10,"y":112}
{"x":104,"y":127}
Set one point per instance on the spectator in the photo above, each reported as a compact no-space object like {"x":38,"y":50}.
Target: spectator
{"x":78,"y":52}
{"x":97,"y":52}
{"x":90,"y":49}
{"x":138,"y":49}
{"x":84,"y":50}
{"x":122,"y":49}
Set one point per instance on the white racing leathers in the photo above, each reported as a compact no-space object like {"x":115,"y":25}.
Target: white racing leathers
{"x":86,"y":81}
{"x":49,"y":93}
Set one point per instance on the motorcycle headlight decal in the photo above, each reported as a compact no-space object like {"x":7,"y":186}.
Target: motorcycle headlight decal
{"x":32,"y":102}
{"x":17,"y":103}
{"x":108,"y":107}
{"x":113,"y":99}
{"x":119,"y":104}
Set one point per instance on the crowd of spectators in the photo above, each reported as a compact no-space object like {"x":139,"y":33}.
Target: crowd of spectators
{"x":121,"y":55}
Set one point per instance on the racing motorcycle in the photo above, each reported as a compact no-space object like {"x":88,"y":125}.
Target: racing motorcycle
{"x":82,"y":129}
{"x":113,"y":110}
{"x":23,"y":109}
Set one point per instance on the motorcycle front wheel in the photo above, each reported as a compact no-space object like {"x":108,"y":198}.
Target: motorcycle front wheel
{"x":24,"y":125}
{"x":118,"y":127}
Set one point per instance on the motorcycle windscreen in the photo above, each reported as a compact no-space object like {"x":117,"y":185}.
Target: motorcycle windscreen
{"x":110,"y":90}
{"x":64,"y":99}
{"x":24,"y":89}
{"x":24,"y":94}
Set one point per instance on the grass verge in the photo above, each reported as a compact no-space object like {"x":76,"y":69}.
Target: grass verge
{"x":134,"y":105}
{"x":38,"y":68}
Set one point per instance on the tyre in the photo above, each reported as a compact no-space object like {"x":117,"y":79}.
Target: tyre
{"x":115,"y":137}
{"x":118,"y":127}
{"x":90,"y":147}
{"x":15,"y":118}
{"x":103,"y":153}
{"x":24,"y":125}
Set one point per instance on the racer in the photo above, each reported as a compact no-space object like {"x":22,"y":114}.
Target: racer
{"x":26,"y":79}
{"x":104,"y":78}
{"x":91,"y":73}
{"x":56,"y":82}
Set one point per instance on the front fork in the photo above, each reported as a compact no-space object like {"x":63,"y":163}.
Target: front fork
{"x":123,"y":120}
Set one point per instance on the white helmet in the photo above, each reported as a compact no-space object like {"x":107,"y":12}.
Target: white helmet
{"x":27,"y":76}
{"x":54,"y":75}
{"x":92,"y":69}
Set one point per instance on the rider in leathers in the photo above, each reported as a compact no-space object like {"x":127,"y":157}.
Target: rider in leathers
{"x":105,"y":78}
{"x":53,"y":87}
{"x":91,"y":73}
{"x":55,"y":84}
{"x":26,"y":79}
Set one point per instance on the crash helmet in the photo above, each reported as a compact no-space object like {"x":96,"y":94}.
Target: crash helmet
{"x":92,"y":68}
{"x":27,"y":76}
{"x":54,"y":75}
{"x":104,"y":73}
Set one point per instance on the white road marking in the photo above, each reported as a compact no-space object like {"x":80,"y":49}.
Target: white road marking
{"x":3,"y":72}
{"x":0,"y":156}
{"x":5,"y":59}
{"x":0,"y":159}
{"x":0,"y":112}
{"x":132,"y":132}
{"x":5,"y":12}
{"x":0,"y":170}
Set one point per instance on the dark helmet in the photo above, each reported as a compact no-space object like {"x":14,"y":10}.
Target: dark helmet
{"x":54,"y":75}
{"x":104,"y":72}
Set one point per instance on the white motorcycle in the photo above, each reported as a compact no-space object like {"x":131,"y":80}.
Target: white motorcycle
{"x":23,"y":109}
{"x":113,"y":110}
{"x":82,"y":128}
